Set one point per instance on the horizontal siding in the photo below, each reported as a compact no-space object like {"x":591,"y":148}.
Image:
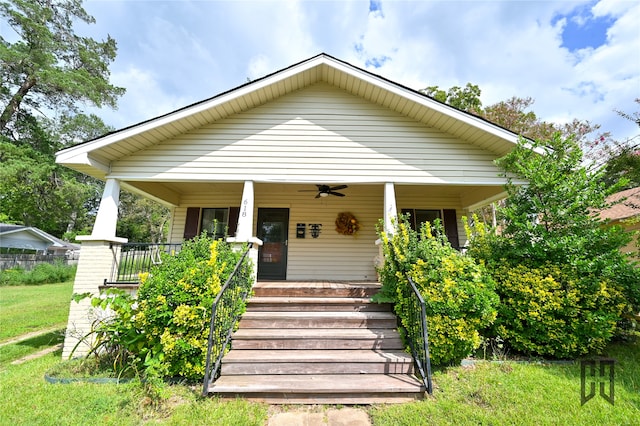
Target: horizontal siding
{"x":331,"y":256}
{"x":316,"y":134}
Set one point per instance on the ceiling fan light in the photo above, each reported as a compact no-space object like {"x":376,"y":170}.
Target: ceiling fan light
{"x":324,"y":194}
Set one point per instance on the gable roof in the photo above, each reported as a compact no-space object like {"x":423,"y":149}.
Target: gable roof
{"x":9,"y":237}
{"x":95,"y":156}
{"x":627,"y":205}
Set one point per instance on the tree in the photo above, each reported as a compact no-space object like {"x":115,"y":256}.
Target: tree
{"x":563,"y":282}
{"x":622,"y":165}
{"x":465,"y":98}
{"x":49,"y":66}
{"x":141,"y":219}
{"x":623,"y":158}
{"x":34,"y":191}
{"x":513,"y":114}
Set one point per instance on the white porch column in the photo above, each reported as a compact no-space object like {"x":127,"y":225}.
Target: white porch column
{"x":98,"y":254}
{"x":245,"y":218}
{"x":390,"y":209}
{"x":107,"y":217}
{"x":390,"y":216}
{"x":244,"y":232}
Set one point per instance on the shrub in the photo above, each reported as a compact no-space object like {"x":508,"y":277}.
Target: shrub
{"x":562,"y":307}
{"x":458,"y":293}
{"x":550,"y":311}
{"x":43,"y":273}
{"x":164,"y":331}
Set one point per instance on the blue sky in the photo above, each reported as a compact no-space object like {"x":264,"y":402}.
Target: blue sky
{"x":577,"y":59}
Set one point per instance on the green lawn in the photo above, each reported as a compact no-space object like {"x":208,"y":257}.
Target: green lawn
{"x":27,"y":399}
{"x":523,"y":394}
{"x":34,"y":307}
{"x":486,"y":393}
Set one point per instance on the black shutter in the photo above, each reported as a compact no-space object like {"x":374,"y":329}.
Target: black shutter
{"x":451,"y":227}
{"x":192,"y":223}
{"x":234,"y":214}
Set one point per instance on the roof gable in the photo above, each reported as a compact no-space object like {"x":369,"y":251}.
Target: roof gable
{"x":95,"y":157}
{"x":18,"y":236}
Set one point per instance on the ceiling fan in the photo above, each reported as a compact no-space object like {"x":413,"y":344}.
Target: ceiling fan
{"x":326,"y":190}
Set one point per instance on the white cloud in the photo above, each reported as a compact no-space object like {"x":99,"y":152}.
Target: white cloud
{"x":175,"y":53}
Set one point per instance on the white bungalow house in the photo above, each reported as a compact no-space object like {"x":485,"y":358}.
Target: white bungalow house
{"x":267,"y":158}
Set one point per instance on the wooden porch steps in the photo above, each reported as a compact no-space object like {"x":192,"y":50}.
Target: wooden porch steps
{"x":317,"y":343}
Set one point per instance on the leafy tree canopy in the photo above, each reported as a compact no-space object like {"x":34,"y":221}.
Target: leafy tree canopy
{"x":465,"y":98}
{"x":514,"y":114}
{"x":49,"y":66}
{"x":34,"y":190}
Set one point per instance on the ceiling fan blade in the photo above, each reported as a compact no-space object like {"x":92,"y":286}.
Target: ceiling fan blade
{"x":338,"y":187}
{"x":336,"y":193}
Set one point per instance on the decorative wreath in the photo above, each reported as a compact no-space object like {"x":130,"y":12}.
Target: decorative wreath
{"x":347,"y":224}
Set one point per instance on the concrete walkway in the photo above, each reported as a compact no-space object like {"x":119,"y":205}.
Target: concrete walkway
{"x":27,"y":336}
{"x":317,"y":416}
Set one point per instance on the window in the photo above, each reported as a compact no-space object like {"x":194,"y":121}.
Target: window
{"x":217,"y":222}
{"x":447,"y":216}
{"x":214,"y":222}
{"x":417,"y":217}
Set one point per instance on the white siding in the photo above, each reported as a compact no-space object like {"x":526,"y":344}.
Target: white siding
{"x":318,"y":134}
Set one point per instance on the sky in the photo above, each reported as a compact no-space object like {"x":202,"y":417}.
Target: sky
{"x":576,"y":59}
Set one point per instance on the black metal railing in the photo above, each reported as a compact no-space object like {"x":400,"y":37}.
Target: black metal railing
{"x":418,"y":335}
{"x":137,"y":258}
{"x":225,"y":311}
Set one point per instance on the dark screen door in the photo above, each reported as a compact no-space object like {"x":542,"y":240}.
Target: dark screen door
{"x":273,"y":230}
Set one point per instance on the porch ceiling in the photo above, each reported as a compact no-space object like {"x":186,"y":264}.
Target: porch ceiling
{"x":171,"y":193}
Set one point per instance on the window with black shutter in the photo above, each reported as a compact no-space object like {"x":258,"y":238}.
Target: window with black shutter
{"x":448,"y":217}
{"x":217,"y":222}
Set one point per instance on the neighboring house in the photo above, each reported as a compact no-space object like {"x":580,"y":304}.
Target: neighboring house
{"x":625,"y":211}
{"x":265,"y":157}
{"x":26,"y":247}
{"x":33,"y":240}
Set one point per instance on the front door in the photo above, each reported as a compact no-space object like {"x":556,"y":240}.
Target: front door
{"x":273,"y":230}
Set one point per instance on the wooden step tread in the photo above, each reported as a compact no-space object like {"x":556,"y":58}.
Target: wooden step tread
{"x":317,"y":315}
{"x":316,"y":289}
{"x":286,"y":300}
{"x":318,"y":384}
{"x":317,"y":284}
{"x":314,"y":355}
{"x":315,"y":333}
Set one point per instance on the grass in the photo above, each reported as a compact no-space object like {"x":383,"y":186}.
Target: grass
{"x":34,"y":307}
{"x":522,"y":394}
{"x":487,"y":393}
{"x":27,"y":399}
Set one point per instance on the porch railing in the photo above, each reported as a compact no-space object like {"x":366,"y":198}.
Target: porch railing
{"x":225,"y":311}
{"x":417,"y":334}
{"x":137,"y":258}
